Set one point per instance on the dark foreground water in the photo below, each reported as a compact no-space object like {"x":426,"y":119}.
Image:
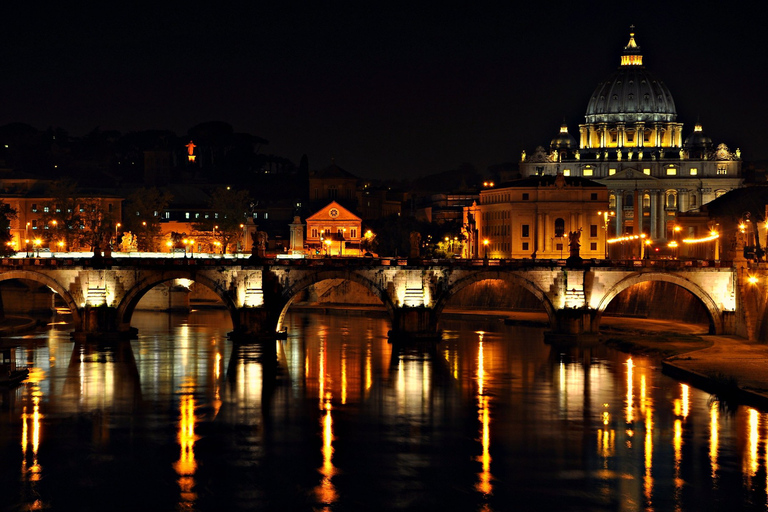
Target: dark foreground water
{"x":492,"y":419}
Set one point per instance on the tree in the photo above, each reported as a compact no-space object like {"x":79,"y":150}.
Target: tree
{"x":7,"y":214}
{"x":62,"y":214}
{"x":230,"y":210}
{"x":142,"y":216}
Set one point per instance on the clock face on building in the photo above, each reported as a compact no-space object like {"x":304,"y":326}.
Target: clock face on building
{"x":333,"y":212}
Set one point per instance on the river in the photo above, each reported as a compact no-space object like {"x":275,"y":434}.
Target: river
{"x":490,"y":419}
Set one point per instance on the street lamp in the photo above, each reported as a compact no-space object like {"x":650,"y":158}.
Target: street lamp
{"x":327,"y":246}
{"x":485,"y":244}
{"x":38,"y":243}
{"x":26,"y":238}
{"x":605,"y":216}
{"x":117,"y":226}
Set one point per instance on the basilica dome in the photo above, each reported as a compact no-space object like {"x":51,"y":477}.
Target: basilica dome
{"x":631,"y":94}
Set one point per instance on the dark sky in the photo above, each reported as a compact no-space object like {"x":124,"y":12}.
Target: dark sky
{"x":388,"y":89}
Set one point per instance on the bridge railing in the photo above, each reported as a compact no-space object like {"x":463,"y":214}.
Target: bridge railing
{"x":341,"y":262}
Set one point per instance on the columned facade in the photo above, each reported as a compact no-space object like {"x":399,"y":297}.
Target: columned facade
{"x":632,"y":142}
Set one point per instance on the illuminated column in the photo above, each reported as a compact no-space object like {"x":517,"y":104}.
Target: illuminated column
{"x":583,"y":136}
{"x":603,"y":133}
{"x":662,"y":215}
{"x":639,"y":134}
{"x":619,"y":212}
{"x":656,"y":135}
{"x":621,"y":133}
{"x":539,"y":232}
{"x":638,"y":212}
{"x":547,"y":237}
{"x":654,"y":215}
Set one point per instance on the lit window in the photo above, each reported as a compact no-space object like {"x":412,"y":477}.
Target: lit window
{"x":186,"y":215}
{"x":197,"y":215}
{"x":671,"y":171}
{"x":266,"y":215}
{"x":694,"y":172}
{"x":47,"y":209}
{"x":566,"y":172}
{"x":647,"y":172}
{"x":587,"y":172}
{"x":722,"y":169}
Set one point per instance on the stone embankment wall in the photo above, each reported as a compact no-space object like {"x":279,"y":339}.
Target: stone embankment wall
{"x":26,"y":297}
{"x":752,"y":302}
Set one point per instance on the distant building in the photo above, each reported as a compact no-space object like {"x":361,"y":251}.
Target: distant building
{"x":532,"y":217}
{"x":333,"y":184}
{"x":334,"y":231}
{"x":37,"y":211}
{"x":632,"y":142}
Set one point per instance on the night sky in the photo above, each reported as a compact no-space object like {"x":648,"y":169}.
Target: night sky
{"x":387,"y":89}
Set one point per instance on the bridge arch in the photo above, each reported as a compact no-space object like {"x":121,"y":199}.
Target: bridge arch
{"x":715,"y":316}
{"x":132,"y":297}
{"x":290,"y":292}
{"x":512,"y":277}
{"x":51,"y":283}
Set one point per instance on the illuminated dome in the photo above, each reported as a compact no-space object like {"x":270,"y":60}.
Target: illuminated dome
{"x":631,"y":94}
{"x":698,"y":139}
{"x":564,"y":140}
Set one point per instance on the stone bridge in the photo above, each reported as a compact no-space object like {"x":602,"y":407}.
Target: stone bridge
{"x":103,"y":294}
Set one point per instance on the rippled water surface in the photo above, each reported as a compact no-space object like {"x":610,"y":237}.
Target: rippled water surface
{"x":490,"y":419}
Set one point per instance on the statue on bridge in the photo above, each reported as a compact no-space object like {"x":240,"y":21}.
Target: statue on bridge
{"x":574,"y":239}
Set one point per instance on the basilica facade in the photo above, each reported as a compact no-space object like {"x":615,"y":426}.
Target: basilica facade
{"x":632,"y":142}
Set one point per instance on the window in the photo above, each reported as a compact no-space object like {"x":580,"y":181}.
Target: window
{"x":34,"y":224}
{"x":34,"y":207}
{"x":611,"y":172}
{"x":593,"y":230}
{"x":694,"y":172}
{"x":559,"y":247}
{"x":314,"y":232}
{"x":167,"y":215}
{"x":593,"y":196}
{"x":647,"y":171}
{"x":197,"y":215}
{"x":559,"y":227}
{"x":525,"y":246}
{"x":46,"y":209}
{"x":186,"y":215}
{"x":588,"y":172}
{"x":566,"y":172}
{"x":671,"y":171}
{"x":629,"y":201}
{"x":353,"y":232}
{"x":526,"y":230}
{"x":266,"y":215}
{"x":671,"y":200}
{"x":525,"y":196}
{"x":612,"y":201}
{"x":722,"y":169}
{"x":593,"y":246}
{"x":693,"y":200}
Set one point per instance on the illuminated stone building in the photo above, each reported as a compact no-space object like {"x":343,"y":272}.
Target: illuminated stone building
{"x":334,"y":231}
{"x":532,"y":217}
{"x":632,"y":142}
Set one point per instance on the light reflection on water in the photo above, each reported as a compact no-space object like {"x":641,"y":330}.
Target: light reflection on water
{"x":491,"y":419}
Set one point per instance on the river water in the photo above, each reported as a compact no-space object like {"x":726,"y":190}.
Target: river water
{"x":490,"y":419}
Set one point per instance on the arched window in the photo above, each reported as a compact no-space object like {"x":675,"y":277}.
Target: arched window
{"x":559,"y":227}
{"x":612,"y":201}
{"x":629,"y":201}
{"x":671,"y":199}
{"x":693,"y":201}
{"x":646,"y":201}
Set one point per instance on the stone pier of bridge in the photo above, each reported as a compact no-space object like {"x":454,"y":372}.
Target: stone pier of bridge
{"x":103,"y":297}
